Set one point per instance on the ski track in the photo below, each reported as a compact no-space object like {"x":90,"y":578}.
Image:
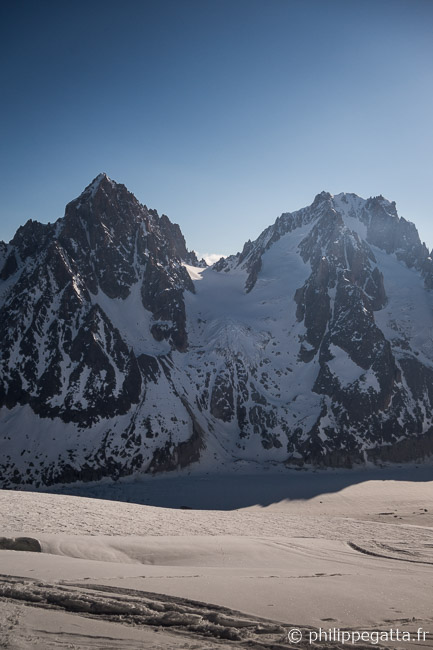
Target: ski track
{"x":123,"y":575}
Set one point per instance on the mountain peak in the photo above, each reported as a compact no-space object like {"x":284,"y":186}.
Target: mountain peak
{"x":311,"y":346}
{"x":103,"y":196}
{"x":100,"y":180}
{"x":322,"y":196}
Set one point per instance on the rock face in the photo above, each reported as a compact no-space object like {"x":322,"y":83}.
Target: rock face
{"x":312,"y":346}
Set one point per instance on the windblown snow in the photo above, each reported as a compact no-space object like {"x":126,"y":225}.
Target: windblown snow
{"x":348,"y":550}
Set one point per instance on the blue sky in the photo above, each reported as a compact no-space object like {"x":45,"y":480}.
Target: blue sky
{"x":220,"y":113}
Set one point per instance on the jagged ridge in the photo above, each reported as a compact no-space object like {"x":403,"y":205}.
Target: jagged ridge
{"x":120,"y":352}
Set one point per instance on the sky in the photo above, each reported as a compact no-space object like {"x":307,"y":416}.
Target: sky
{"x":221,"y":114}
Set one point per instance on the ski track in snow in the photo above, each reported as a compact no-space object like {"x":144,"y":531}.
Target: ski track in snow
{"x":117,"y":575}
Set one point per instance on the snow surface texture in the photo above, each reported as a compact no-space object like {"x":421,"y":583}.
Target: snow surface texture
{"x":122,"y":354}
{"x":352,"y":555}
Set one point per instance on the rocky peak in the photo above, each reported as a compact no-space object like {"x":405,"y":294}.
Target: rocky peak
{"x":106,"y":214}
{"x":108,"y":241}
{"x":29,"y":238}
{"x":380,"y":204}
{"x":321,"y":198}
{"x":101,"y":180}
{"x":374,"y":220}
{"x":394,"y":234}
{"x":104,"y":204}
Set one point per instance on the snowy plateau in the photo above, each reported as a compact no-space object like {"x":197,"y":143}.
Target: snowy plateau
{"x":122,"y":354}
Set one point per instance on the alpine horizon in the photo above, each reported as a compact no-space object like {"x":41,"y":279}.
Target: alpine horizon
{"x":121,"y":352}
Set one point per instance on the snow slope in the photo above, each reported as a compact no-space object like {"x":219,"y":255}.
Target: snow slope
{"x":121,"y":355}
{"x":209,"y":578}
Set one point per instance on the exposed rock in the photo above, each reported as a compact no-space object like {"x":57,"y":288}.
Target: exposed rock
{"x":306,"y":351}
{"x":28,"y":544}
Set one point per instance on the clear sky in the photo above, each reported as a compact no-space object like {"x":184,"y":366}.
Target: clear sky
{"x":221,"y":113}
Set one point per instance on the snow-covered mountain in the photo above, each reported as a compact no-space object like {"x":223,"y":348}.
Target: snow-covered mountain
{"x":122,"y":353}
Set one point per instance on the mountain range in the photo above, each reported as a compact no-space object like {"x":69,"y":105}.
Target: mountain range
{"x":121,"y":353}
